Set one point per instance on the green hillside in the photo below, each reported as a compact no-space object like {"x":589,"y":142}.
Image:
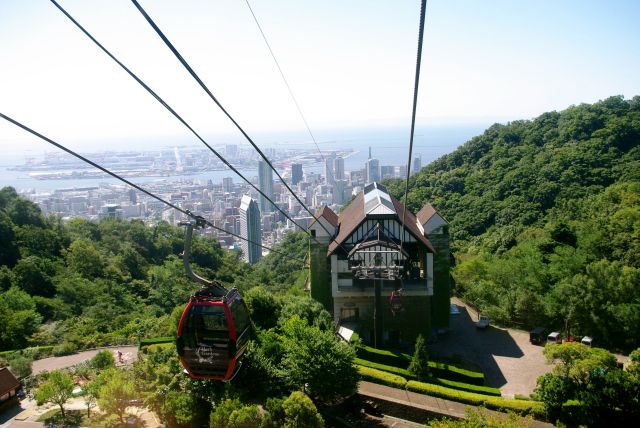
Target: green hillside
{"x":545,"y":218}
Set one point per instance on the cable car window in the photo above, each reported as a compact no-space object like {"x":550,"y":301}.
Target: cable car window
{"x":239,"y":315}
{"x":208,"y":322}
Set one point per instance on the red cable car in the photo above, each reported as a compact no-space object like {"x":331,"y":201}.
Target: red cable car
{"x":395,"y":301}
{"x":213,"y":334}
{"x":214,"y":328}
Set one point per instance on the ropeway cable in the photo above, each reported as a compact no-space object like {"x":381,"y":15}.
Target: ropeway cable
{"x":293,"y":97}
{"x":215,"y":100}
{"x":423,"y":7}
{"x":135,"y":186}
{"x":175,"y":114}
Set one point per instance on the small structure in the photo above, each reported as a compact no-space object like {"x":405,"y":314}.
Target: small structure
{"x":9,"y":386}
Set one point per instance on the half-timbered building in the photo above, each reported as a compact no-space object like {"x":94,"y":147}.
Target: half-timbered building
{"x":372,"y":267}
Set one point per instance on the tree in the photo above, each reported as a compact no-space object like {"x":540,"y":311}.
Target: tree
{"x":179,"y":408}
{"x":316,"y":361}
{"x":245,"y":417}
{"x":420,"y":362}
{"x":116,"y":393}
{"x":18,"y":318}
{"x":20,"y":365}
{"x":84,"y":258}
{"x":300,"y":411}
{"x":91,"y":392}
{"x":102,"y":360}
{"x":57,"y":389}
{"x":263,"y":306}
{"x":222,"y":411}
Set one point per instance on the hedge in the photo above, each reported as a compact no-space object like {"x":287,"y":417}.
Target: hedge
{"x":439,"y":370}
{"x":384,"y":378}
{"x":522,"y":407}
{"x":486,"y":390}
{"x":154,"y":341}
{"x":36,"y":352}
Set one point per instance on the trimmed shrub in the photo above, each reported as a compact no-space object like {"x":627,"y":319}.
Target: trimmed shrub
{"x":65,"y":348}
{"x":154,"y":341}
{"x":384,"y":378}
{"x":522,"y":407}
{"x":487,"y":390}
{"x":439,"y":370}
{"x":36,"y":352}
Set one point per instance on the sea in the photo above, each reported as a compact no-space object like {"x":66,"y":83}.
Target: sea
{"x":389,"y":144}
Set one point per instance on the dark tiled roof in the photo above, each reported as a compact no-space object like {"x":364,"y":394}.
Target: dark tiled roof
{"x":8,"y":381}
{"x":328,"y":214}
{"x":353,"y":215}
{"x":426,"y":213}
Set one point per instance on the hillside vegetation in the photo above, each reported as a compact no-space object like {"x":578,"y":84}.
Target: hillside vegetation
{"x":545,"y":219}
{"x":80,"y":284}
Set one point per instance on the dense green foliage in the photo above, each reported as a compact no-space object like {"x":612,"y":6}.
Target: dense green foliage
{"x":545,"y":219}
{"x":80,"y":284}
{"x":586,"y":387}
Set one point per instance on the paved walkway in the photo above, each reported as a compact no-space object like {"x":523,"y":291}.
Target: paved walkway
{"x":24,"y":416}
{"x":504,"y":355}
{"x":129,"y":355}
{"x":424,"y":402}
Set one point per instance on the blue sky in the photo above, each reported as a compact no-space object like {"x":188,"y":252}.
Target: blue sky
{"x":350,"y":63}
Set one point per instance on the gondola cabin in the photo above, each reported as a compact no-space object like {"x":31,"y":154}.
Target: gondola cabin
{"x":212,"y":335}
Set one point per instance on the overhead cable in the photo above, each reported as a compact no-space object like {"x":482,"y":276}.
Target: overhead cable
{"x":423,"y":7}
{"x":215,"y":100}
{"x":175,"y":114}
{"x":293,"y":97}
{"x":135,"y":186}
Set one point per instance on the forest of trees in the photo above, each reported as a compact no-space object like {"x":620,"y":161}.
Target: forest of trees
{"x":79,"y":284}
{"x":545,"y":220}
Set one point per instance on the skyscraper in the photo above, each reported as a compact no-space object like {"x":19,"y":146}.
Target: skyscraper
{"x":250,"y":229}
{"x":296,"y":173}
{"x":417,"y":164}
{"x":329,"y":172}
{"x":372,"y":169}
{"x":227,"y":184}
{"x":338,"y":168}
{"x":265,"y":184}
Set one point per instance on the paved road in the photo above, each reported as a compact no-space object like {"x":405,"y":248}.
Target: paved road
{"x":129,"y":355}
{"x":19,"y":416}
{"x":506,"y":357}
{"x":425,"y":402}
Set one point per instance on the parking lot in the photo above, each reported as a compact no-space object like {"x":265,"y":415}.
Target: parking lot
{"x":506,"y":357}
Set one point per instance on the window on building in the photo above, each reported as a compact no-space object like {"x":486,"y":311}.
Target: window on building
{"x":313,"y":233}
{"x":349,"y":314}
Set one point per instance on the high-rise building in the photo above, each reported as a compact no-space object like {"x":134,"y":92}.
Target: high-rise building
{"x":227,"y":184}
{"x":338,"y":168}
{"x":250,"y":229}
{"x":373,"y":170}
{"x":387,"y":171}
{"x":265,"y":184}
{"x":339,"y":191}
{"x":296,"y":173}
{"x":329,"y":173}
{"x":417,"y":164}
